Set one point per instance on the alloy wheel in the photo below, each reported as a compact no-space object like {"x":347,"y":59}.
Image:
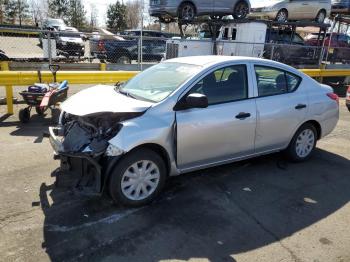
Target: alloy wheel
{"x":241,"y":10}
{"x":282,"y":16}
{"x":187,"y":12}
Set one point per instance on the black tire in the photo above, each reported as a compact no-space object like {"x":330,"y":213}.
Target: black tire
{"x":241,"y":10}
{"x":282,"y":16}
{"x":291,"y":151}
{"x":40,"y":111}
{"x":123,"y":59}
{"x":321,"y":16}
{"x":24,"y":115}
{"x":187,"y":11}
{"x":115,"y":187}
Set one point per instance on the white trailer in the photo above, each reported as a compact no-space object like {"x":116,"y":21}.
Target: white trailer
{"x":235,"y":39}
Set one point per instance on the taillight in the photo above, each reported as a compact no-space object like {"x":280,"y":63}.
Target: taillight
{"x":334,"y":97}
{"x":101,"y":46}
{"x":348,"y":93}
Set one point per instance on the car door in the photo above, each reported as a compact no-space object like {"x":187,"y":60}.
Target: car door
{"x":298,"y":9}
{"x":204,"y":6}
{"x":281,"y":107}
{"x":223,"y":6}
{"x":226,"y":128}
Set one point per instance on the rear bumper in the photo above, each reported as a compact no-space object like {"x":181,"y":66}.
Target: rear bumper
{"x":162,"y":11}
{"x":340,"y":9}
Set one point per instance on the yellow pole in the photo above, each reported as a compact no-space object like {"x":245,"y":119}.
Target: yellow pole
{"x":9,"y":90}
{"x":103,"y":67}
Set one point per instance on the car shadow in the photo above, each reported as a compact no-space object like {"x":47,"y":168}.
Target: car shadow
{"x":211,"y":214}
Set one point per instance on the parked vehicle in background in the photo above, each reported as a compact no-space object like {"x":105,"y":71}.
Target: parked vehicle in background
{"x":292,"y":49}
{"x":69,"y":43}
{"x":123,"y":50}
{"x":234,"y":39}
{"x":339,"y":46}
{"x":147,"y":33}
{"x":188,"y":114}
{"x":284,"y":10}
{"x":166,"y":11}
{"x":341,"y":7}
{"x":347,"y":101}
{"x":3,"y":56}
{"x":53,"y":24}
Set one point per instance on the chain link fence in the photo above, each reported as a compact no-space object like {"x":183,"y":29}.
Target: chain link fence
{"x":83,"y":48}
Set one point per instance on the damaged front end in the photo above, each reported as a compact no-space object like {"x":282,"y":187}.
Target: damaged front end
{"x":82,"y":145}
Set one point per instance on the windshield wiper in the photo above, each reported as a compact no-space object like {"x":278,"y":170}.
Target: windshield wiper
{"x":121,"y":91}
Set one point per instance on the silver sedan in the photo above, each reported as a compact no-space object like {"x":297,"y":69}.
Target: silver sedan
{"x":167,"y":10}
{"x":188,"y":114}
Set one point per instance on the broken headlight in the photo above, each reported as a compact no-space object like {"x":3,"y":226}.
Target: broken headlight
{"x":90,"y":134}
{"x":113,"y":150}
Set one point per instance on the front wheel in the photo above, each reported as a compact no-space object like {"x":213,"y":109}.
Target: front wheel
{"x":187,"y":12}
{"x":24,"y":115}
{"x":321,"y":16}
{"x":138,"y":178}
{"x":282,"y":16}
{"x":303,"y":143}
{"x":124,"y":59}
{"x":241,"y":10}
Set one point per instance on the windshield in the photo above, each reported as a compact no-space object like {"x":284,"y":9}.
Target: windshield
{"x":55,"y":22}
{"x":159,"y":81}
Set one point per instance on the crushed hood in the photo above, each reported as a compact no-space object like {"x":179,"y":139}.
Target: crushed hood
{"x":100,"y":99}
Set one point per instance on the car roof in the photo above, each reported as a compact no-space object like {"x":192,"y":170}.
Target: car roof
{"x":214,"y":59}
{"x":211,"y":60}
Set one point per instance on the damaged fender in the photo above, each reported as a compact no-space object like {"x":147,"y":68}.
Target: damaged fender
{"x":149,"y":129}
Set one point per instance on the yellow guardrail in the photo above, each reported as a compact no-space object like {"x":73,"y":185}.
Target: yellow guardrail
{"x":23,"y":78}
{"x":18,"y":32}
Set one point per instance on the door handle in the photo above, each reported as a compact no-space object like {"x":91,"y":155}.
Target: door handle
{"x":243,"y":115}
{"x":300,"y":106}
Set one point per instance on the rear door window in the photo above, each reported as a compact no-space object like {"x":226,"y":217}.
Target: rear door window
{"x":273,"y":81}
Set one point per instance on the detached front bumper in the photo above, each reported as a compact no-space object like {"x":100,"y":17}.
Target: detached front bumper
{"x":84,"y":171}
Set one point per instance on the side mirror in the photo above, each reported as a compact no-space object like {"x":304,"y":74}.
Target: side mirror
{"x":196,"y":100}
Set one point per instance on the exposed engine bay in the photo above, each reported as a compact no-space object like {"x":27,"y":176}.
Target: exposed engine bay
{"x":81,"y":143}
{"x":90,"y":134}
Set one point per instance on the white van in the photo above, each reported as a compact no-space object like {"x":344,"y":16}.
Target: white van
{"x":234,"y":39}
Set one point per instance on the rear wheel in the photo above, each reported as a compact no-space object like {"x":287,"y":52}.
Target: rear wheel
{"x":187,"y":11}
{"x":241,"y":10}
{"x":138,"y":178}
{"x":282,"y":16}
{"x":303,"y":143}
{"x":321,"y":16}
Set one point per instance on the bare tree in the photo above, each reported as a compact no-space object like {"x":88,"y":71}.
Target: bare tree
{"x":39,"y":10}
{"x":93,"y":16}
{"x":133,"y":13}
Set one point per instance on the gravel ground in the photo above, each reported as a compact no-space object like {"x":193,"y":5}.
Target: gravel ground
{"x":263,"y":209}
